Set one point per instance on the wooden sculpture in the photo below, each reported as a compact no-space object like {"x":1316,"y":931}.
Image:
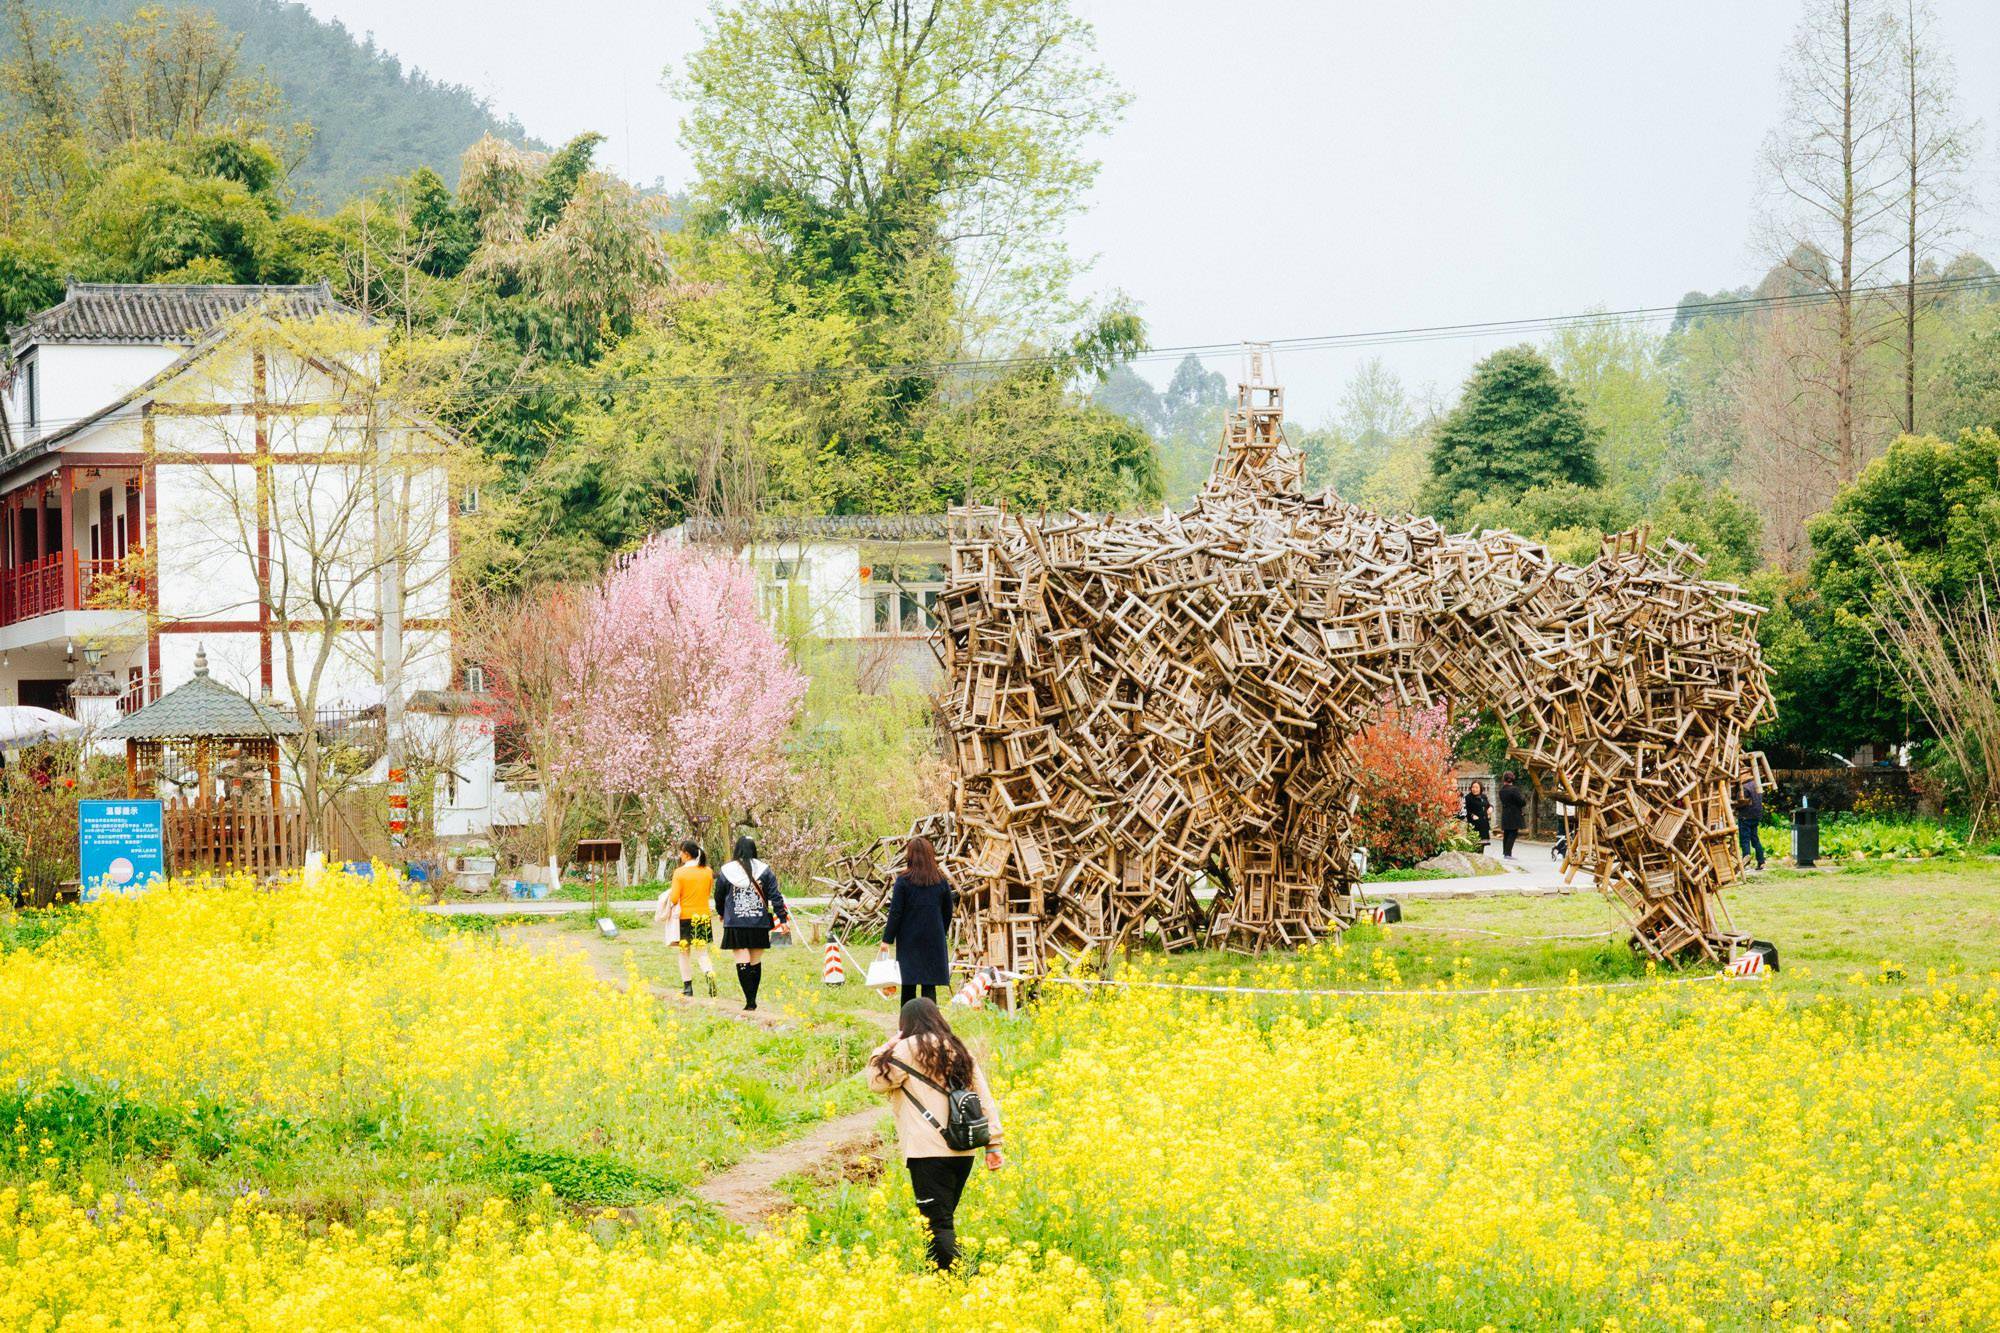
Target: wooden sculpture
{"x":1136,"y":705}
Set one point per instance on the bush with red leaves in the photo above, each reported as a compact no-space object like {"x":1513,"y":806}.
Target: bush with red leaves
{"x":1409,"y":802}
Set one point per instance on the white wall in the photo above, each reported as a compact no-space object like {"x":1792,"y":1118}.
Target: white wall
{"x":76,"y":380}
{"x":831,"y":576}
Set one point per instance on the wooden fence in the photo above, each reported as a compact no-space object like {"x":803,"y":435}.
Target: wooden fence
{"x":251,"y":838}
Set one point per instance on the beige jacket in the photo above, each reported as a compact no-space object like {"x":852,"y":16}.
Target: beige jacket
{"x":913,"y":1132}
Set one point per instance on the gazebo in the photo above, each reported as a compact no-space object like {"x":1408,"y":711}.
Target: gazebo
{"x":219,"y":750}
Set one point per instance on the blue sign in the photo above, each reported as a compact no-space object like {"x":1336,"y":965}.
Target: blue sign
{"x":121,"y":846}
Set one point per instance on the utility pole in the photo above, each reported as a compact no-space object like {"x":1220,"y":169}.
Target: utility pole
{"x":389,"y":523}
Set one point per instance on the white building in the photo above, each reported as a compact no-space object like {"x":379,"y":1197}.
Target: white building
{"x":182,"y":467}
{"x":867,"y":584}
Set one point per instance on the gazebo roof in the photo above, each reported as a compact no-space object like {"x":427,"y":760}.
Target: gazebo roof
{"x":201,"y":708}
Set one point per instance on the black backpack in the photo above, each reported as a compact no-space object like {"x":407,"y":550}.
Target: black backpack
{"x":965,"y":1126}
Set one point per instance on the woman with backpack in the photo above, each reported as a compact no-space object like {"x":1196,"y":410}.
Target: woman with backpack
{"x":945,"y":1116}
{"x":748,"y":904}
{"x":920,"y":903}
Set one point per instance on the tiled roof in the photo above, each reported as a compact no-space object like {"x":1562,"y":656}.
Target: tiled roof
{"x":202,"y":707}
{"x":141,"y":312}
{"x":827,"y":527}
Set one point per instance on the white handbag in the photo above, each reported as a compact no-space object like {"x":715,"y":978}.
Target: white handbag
{"x":885,"y":975}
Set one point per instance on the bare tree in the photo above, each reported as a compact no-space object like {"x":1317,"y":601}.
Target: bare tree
{"x":542,"y":675}
{"x":1832,"y":169}
{"x":1788,"y":458}
{"x":1947,"y":656}
{"x":311,"y":492}
{"x":1934,"y":146}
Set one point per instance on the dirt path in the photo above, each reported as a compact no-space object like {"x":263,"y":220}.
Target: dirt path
{"x":848,"y":1148}
{"x":607,"y":961}
{"x":747,"y":1194}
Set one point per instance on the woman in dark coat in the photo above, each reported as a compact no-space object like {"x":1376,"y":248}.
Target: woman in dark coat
{"x":1513,"y":815}
{"x":919,"y":925}
{"x":1479,"y":813}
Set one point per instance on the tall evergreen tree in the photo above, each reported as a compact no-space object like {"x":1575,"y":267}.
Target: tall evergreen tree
{"x":1517,"y":426}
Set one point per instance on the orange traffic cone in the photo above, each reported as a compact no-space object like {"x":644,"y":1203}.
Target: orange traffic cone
{"x":832,"y":971}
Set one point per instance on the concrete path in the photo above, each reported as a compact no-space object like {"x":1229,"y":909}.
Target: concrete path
{"x":564,"y":906}
{"x":1533,"y":872}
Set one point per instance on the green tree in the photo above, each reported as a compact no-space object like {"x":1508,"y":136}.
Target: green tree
{"x":1517,"y":426}
{"x":1613,"y":366}
{"x":1375,"y":421}
{"x":1929,"y":507}
{"x":1965,"y":390}
{"x":31,"y":279}
{"x":870,"y":140}
{"x":1714,"y":520}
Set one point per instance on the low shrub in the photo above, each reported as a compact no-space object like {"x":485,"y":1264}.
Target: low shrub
{"x":1845,"y":837}
{"x":1408,"y":810}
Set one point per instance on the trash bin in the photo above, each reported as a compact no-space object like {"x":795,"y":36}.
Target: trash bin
{"x":1805,"y":834}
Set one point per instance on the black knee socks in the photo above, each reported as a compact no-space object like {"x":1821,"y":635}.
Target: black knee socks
{"x":749,"y":976}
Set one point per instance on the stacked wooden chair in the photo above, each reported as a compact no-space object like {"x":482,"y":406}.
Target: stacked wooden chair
{"x":1137,"y":705}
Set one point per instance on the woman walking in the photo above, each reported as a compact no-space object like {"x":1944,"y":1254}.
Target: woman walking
{"x":920,"y":903}
{"x":1479,"y":813}
{"x":684,"y":907}
{"x":1513,"y":815}
{"x":915,"y":1069}
{"x":750,"y":906}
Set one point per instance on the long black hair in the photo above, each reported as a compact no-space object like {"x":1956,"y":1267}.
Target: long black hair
{"x":694,"y":849}
{"x":746,"y":856}
{"x":940,"y":1054}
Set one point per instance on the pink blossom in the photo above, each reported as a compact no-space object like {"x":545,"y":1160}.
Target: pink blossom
{"x":693,"y":694}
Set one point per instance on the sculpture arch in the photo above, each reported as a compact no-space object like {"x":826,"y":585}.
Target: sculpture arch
{"x":1135,"y":703}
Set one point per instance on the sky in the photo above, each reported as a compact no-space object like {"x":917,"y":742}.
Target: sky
{"x":1300,"y":169}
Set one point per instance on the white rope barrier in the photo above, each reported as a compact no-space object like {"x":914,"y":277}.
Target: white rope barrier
{"x":1469,"y":993}
{"x":1503,"y":935}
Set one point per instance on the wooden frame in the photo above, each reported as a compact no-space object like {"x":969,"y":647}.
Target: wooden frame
{"x":1135,"y":705}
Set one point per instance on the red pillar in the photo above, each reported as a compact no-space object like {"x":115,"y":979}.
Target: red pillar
{"x":149,"y":483}
{"x":68,"y":544}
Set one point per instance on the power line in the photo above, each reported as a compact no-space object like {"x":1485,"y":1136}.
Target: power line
{"x":587,"y":380}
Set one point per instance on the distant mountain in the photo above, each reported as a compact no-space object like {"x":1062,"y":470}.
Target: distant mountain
{"x":374,"y":119}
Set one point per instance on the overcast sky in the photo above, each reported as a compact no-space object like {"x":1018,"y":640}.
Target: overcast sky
{"x":1298,"y":169}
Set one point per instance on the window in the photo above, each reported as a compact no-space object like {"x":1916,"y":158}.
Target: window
{"x":782,"y":589}
{"x":904,"y":596}
{"x":32,"y":392}
{"x":469,"y":503}
{"x":475,"y":679}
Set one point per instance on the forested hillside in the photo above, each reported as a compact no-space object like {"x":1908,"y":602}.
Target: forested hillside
{"x":372,"y":118}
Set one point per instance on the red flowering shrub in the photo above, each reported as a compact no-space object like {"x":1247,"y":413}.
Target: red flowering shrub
{"x":1409,"y":803}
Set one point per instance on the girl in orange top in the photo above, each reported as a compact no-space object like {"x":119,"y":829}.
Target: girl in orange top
{"x":686,"y":902}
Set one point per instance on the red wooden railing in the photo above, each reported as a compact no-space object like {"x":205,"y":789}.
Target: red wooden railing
{"x":64,"y":581}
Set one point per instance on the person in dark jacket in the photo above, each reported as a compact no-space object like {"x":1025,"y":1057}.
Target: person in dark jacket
{"x":748,"y":904}
{"x":1749,"y":814}
{"x":1513,"y":815}
{"x":1479,"y":813}
{"x":919,"y":925}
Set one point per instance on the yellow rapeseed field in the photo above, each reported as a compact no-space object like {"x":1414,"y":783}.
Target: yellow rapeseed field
{"x":1695,"y":1156}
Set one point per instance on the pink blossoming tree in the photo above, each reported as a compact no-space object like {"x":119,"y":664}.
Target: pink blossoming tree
{"x":694,"y":693}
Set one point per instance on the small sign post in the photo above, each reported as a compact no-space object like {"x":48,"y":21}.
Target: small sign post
{"x":121,"y":846}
